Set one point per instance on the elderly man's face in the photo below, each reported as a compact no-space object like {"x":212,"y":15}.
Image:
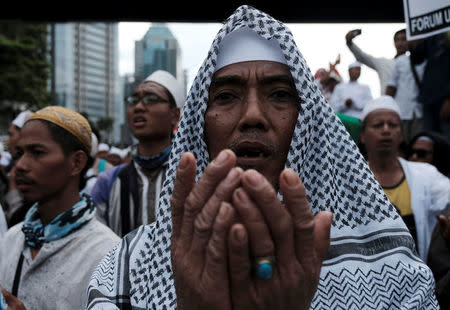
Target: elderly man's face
{"x":252,"y":110}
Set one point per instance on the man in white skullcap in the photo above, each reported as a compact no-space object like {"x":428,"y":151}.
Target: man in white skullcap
{"x":350,"y":98}
{"x":14,"y":131}
{"x":13,"y":202}
{"x":259,"y":161}
{"x":98,"y":153}
{"x":127,"y":196}
{"x":103,"y":150}
{"x":418,"y":190}
{"x":115,"y":156}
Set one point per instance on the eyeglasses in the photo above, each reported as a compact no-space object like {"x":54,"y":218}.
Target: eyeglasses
{"x":147,"y":99}
{"x":421,"y":153}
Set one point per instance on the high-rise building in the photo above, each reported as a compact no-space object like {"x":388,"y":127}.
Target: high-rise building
{"x":86,"y":71}
{"x":157,"y":50}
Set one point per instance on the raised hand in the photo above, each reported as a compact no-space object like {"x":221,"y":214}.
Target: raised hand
{"x":201,"y":222}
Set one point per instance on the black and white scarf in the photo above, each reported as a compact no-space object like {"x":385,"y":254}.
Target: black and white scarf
{"x":36,"y":233}
{"x":371,"y":263}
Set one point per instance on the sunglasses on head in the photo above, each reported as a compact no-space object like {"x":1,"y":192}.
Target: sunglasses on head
{"x":421,"y":153}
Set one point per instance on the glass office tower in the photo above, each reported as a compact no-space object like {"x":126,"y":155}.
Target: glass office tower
{"x":86,"y":71}
{"x":157,"y":50}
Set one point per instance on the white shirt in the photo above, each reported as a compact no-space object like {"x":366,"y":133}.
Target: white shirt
{"x":430,"y":196}
{"x":359,"y":93}
{"x":57,"y":278}
{"x":3,"y":225}
{"x":407,"y":90}
{"x":383,"y":66}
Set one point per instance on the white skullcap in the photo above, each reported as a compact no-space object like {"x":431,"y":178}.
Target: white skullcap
{"x":426,"y":139}
{"x":125,"y":152}
{"x":245,"y":44}
{"x":94,"y":145}
{"x":334,"y":75}
{"x":167,"y":80}
{"x":382,"y":102}
{"x":103,"y":147}
{"x":116,"y":151}
{"x":354,"y":64}
{"x":22,"y":118}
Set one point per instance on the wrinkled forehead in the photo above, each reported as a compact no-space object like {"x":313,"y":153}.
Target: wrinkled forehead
{"x":260,"y":69}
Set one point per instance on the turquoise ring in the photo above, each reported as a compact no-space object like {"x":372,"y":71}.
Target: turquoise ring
{"x":265,"y":267}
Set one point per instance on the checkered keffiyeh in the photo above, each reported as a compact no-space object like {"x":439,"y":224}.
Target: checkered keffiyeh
{"x":371,"y":262}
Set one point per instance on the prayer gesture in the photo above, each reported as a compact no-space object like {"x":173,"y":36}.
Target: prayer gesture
{"x":289,"y":232}
{"x":201,"y":221}
{"x":231,"y":220}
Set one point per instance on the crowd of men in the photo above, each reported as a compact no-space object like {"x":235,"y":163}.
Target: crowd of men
{"x":264,"y":187}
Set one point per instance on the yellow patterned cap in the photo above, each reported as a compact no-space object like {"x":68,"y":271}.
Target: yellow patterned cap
{"x":73,"y":122}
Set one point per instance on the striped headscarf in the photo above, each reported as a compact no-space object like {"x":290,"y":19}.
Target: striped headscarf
{"x":371,"y":262}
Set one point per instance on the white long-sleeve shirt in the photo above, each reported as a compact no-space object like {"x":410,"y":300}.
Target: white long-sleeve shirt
{"x":407,"y":90}
{"x":430,"y":196}
{"x":383,"y":66}
{"x":359,"y":93}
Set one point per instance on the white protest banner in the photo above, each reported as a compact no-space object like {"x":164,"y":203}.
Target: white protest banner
{"x":425,"y":18}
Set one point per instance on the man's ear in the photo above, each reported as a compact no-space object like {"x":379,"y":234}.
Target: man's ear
{"x":78,"y":161}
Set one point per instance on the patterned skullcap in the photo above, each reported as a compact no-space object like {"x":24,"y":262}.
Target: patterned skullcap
{"x":73,"y":122}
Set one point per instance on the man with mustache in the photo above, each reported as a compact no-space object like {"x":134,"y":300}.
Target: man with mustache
{"x":418,"y":190}
{"x":153,"y":111}
{"x":47,"y":259}
{"x":261,"y":168}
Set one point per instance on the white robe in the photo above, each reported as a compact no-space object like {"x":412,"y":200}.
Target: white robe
{"x":430,"y":196}
{"x":58,"y":276}
{"x":359,"y":93}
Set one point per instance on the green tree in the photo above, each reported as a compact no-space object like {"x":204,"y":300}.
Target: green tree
{"x":24,"y":65}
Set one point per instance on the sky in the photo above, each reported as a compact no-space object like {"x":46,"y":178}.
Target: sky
{"x":320,"y":44}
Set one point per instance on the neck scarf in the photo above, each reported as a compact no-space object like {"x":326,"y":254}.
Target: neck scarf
{"x":371,"y":262}
{"x":151,"y":162}
{"x":36,"y":233}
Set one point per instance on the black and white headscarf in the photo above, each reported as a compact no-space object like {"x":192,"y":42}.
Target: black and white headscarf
{"x":371,"y":263}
